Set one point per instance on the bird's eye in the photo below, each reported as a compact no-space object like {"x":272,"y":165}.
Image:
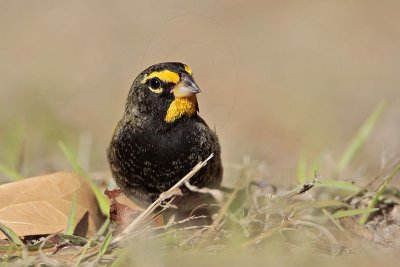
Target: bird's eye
{"x":155,"y":83}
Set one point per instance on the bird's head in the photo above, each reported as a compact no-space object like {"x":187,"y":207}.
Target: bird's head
{"x":164,"y":91}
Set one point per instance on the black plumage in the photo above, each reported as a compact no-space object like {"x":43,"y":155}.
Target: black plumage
{"x":150,"y":151}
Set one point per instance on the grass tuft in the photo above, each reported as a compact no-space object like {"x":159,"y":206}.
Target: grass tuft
{"x":359,"y":139}
{"x":382,"y":188}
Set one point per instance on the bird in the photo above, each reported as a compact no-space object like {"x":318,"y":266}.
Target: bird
{"x":161,"y":137}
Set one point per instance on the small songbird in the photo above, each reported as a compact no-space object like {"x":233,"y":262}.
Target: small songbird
{"x":161,"y":137}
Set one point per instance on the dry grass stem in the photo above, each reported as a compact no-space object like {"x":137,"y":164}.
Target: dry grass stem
{"x":158,"y":202}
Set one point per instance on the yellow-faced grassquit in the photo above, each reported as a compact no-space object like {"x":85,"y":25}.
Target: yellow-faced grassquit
{"x":161,"y":137}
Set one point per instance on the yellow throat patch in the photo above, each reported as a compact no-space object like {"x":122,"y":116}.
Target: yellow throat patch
{"x":181,"y":106}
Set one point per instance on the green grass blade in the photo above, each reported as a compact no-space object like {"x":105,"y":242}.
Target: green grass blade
{"x":301,"y":170}
{"x":14,"y":175}
{"x":378,"y":193}
{"x":103,"y":228}
{"x":105,"y":244}
{"x":99,"y":233}
{"x":343,"y":185}
{"x":360,"y":138}
{"x":121,"y":258}
{"x":317,"y":204}
{"x":11,"y":235}
{"x":83,"y":253}
{"x":71,"y":217}
{"x":353,"y":212}
{"x":101,"y":198}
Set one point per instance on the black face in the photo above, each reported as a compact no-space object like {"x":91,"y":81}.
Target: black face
{"x":151,"y":94}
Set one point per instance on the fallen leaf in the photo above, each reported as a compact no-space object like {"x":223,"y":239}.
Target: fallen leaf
{"x":123,"y":210}
{"x":40,"y":205}
{"x":122,"y":214}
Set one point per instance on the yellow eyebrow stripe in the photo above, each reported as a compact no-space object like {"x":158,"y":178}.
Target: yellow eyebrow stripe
{"x":165,"y":76}
{"x":188,"y":69}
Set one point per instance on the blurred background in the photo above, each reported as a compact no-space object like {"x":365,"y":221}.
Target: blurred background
{"x":279,"y":79}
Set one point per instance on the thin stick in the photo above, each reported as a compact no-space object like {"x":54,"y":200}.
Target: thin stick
{"x":165,"y":195}
{"x":333,"y":220}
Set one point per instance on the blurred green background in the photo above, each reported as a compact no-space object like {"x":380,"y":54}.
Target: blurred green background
{"x":278,"y":78}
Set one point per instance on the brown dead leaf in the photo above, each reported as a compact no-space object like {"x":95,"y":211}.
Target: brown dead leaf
{"x":40,"y":205}
{"x":123,"y":210}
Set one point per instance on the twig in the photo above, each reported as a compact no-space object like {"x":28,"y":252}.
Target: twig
{"x":188,"y":219}
{"x":187,"y":228}
{"x":300,"y":190}
{"x":163,"y":196}
{"x":333,"y":220}
{"x":215,"y":193}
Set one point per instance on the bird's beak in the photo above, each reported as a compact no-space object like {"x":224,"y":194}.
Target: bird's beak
{"x":186,"y":87}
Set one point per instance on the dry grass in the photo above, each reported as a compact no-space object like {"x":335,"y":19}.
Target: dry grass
{"x":257,"y":224}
